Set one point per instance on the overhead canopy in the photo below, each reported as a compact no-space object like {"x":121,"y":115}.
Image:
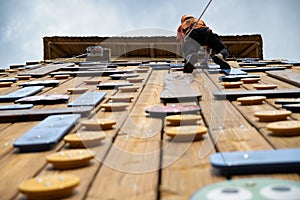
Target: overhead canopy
{"x":245,"y":46}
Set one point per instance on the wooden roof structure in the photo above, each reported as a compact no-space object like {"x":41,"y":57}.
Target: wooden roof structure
{"x":244,"y":46}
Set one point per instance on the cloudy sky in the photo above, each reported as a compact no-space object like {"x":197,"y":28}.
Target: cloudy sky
{"x":24,"y":23}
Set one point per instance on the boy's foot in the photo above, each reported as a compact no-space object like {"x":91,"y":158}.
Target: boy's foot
{"x":218,"y":59}
{"x":188,"y":68}
{"x":191,"y":60}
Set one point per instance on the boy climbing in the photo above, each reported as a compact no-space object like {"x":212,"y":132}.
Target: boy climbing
{"x":193,"y":33}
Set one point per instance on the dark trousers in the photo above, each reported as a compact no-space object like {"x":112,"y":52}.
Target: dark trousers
{"x":203,"y":37}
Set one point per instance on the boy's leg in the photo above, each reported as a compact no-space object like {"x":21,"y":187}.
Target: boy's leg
{"x":191,"y":60}
{"x":219,"y":59}
{"x":215,"y":43}
{"x":190,"y":48}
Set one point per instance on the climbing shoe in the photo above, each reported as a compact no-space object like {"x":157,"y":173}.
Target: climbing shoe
{"x":188,"y":68}
{"x":218,"y":59}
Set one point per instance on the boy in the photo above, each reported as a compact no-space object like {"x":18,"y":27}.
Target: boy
{"x":201,"y":35}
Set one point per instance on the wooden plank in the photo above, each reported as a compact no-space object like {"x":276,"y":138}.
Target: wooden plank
{"x":38,"y":114}
{"x":275,"y":141}
{"x":134,"y":157}
{"x":88,"y":173}
{"x":16,"y":107}
{"x":43,"y":71}
{"x":113,"y":85}
{"x":230,"y":131}
{"x":128,"y":161}
{"x":122,"y":76}
{"x":23,"y":92}
{"x":75,"y":82}
{"x":295,"y":108}
{"x":10,"y":157}
{"x":222,"y":120}
{"x":234,"y":78}
{"x":12,"y":162}
{"x":263,"y":69}
{"x":46,"y":83}
{"x":257,"y":162}
{"x":9,"y":134}
{"x":189,"y":173}
{"x":222,"y":117}
{"x":14,"y":87}
{"x":179,"y":87}
{"x":291,"y":62}
{"x":233,"y":95}
{"x":290,"y":76}
{"x":91,"y":73}
{"x":233,"y":71}
{"x":8,"y":80}
{"x":88,"y":99}
{"x":46,"y":134}
{"x":30,"y":66}
{"x":186,"y":167}
{"x":88,"y":68}
{"x":265,"y":79}
{"x":248,"y":112}
{"x":43,"y":99}
{"x":253,"y":63}
{"x":127,"y":63}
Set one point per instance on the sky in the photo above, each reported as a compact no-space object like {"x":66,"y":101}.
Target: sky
{"x":24,"y":23}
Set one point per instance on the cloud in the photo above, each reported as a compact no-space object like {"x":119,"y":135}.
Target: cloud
{"x":23,"y":24}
